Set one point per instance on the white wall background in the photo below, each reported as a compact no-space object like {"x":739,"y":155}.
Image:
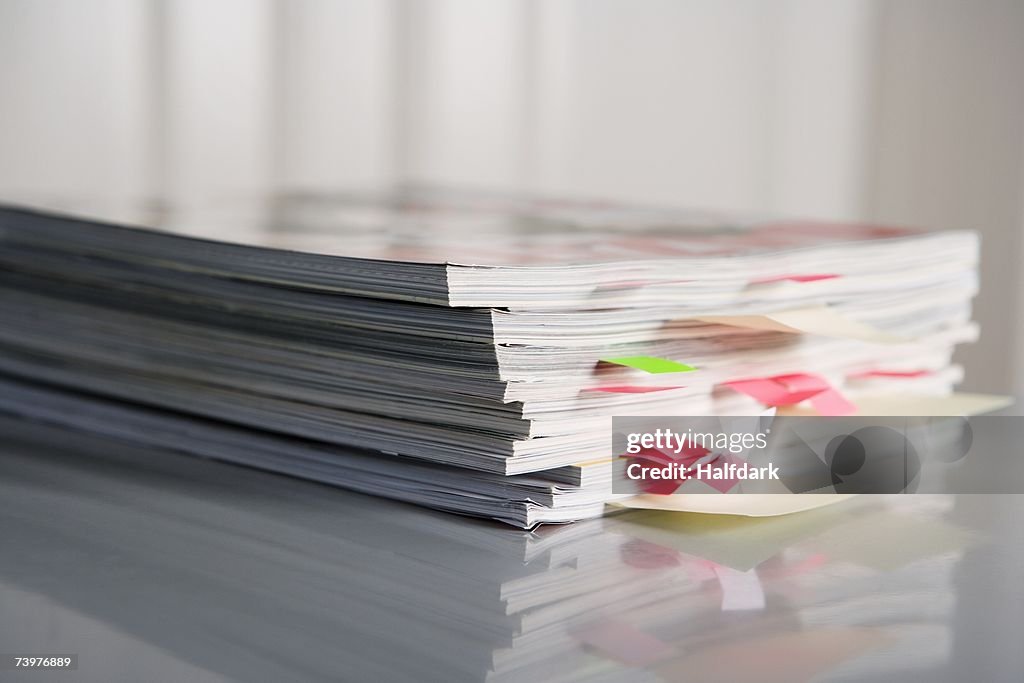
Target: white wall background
{"x":889,"y":110}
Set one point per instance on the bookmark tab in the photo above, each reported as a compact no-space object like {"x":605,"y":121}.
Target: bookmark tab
{"x":831,"y":402}
{"x":788,"y":390}
{"x":650,"y":364}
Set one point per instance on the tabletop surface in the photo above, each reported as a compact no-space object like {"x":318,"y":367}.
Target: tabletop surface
{"x":154,"y":566}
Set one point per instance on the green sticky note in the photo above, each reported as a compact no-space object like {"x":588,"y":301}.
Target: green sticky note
{"x":655,"y":366}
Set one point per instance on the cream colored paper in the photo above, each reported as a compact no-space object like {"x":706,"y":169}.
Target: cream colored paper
{"x":820,"y":320}
{"x":744,"y":504}
{"x":917,"y":405}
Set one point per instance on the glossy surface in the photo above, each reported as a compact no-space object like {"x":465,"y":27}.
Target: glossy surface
{"x":157,"y":567}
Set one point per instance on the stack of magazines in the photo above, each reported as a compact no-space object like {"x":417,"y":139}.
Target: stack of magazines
{"x":460,"y":351}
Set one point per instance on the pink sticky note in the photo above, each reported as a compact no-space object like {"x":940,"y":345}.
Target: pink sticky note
{"x":784,"y":390}
{"x":800,"y":381}
{"x":763,"y":390}
{"x":787,"y":390}
{"x":832,"y":403}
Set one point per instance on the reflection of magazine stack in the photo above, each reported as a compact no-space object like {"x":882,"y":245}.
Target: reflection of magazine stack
{"x":292,"y":577}
{"x":817,"y":592}
{"x":493,"y":335}
{"x":258,"y":578}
